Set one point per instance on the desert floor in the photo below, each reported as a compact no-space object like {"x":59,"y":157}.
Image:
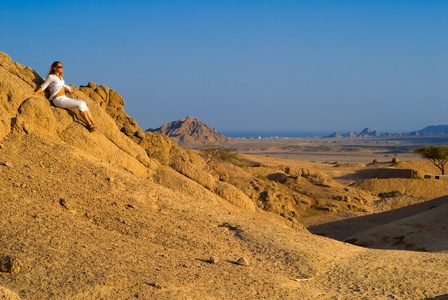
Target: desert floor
{"x":361,"y":150}
{"x":113,"y":235}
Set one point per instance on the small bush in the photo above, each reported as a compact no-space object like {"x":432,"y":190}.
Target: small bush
{"x":222,"y":154}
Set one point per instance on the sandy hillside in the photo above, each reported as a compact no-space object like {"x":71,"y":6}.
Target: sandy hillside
{"x":125,"y":214}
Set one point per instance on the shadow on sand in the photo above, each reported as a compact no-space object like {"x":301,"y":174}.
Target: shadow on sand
{"x":379,"y":173}
{"x":343,"y":229}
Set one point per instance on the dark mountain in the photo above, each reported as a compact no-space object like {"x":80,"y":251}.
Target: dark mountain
{"x":367,"y":132}
{"x":433,"y":129}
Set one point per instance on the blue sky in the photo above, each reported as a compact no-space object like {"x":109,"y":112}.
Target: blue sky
{"x":247,"y":65}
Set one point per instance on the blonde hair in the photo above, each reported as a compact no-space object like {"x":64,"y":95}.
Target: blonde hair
{"x":54,"y":65}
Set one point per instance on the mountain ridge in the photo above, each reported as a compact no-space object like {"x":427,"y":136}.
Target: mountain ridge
{"x":367,"y":132}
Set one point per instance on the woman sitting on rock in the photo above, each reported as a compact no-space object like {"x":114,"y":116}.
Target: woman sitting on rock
{"x":57,"y":87}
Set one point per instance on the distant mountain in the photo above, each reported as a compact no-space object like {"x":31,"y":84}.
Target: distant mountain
{"x":334,"y":135}
{"x":189,"y":132}
{"x":367,"y":132}
{"x":350,"y":134}
{"x":433,"y":129}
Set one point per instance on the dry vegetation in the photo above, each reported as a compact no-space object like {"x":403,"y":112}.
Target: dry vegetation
{"x":124,"y":214}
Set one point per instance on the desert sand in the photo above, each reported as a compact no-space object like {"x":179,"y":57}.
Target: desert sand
{"x":127,"y":214}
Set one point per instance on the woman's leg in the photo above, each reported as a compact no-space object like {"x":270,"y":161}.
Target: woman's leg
{"x":87,"y":116}
{"x":65,"y":102}
{"x":84,"y":111}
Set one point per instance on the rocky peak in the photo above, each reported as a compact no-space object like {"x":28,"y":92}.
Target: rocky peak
{"x":190,"y":131}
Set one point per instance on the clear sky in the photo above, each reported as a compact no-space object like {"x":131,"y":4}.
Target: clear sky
{"x":247,"y":65}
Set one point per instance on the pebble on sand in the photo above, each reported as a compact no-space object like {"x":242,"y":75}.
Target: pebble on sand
{"x":214,"y":259}
{"x":243,"y":261}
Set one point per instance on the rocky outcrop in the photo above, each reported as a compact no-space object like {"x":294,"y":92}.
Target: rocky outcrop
{"x":223,"y":189}
{"x":190,"y":132}
{"x":120,"y":141}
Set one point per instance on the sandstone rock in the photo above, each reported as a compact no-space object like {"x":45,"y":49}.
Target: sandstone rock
{"x":294,"y":171}
{"x":8,"y":164}
{"x":214,"y":259}
{"x":66,"y":203}
{"x":234,"y":195}
{"x":243,"y":261}
{"x":191,"y":171}
{"x":10,"y":265}
{"x":92,"y":85}
{"x":6,"y":294}
{"x":277,"y":177}
{"x":140,"y":134}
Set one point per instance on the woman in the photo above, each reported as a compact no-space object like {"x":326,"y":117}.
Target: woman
{"x":57,"y":87}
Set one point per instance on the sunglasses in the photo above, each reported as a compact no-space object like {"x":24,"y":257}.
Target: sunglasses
{"x":59,"y":67}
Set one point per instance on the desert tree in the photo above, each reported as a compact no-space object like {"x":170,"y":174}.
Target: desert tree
{"x":437,"y":154}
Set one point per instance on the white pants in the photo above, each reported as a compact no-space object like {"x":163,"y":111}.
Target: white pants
{"x":64,"y":102}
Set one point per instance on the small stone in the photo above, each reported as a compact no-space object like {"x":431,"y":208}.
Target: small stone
{"x":156,"y":285}
{"x":8,"y":164}
{"x":10,"y":265}
{"x":395,"y":160}
{"x":66,"y":203}
{"x":214,"y":259}
{"x":243,"y":261}
{"x":111,"y":179}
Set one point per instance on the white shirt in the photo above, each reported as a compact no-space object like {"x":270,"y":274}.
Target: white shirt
{"x":55,"y":84}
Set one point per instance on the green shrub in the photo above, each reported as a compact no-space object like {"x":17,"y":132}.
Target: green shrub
{"x":222,"y":154}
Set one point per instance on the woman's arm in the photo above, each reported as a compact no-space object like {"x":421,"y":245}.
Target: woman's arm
{"x":44,"y":85}
{"x":69,"y":88}
{"x":37,"y":91}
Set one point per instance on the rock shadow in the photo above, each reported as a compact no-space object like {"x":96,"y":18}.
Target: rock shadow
{"x":379,"y":173}
{"x":343,"y":229}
